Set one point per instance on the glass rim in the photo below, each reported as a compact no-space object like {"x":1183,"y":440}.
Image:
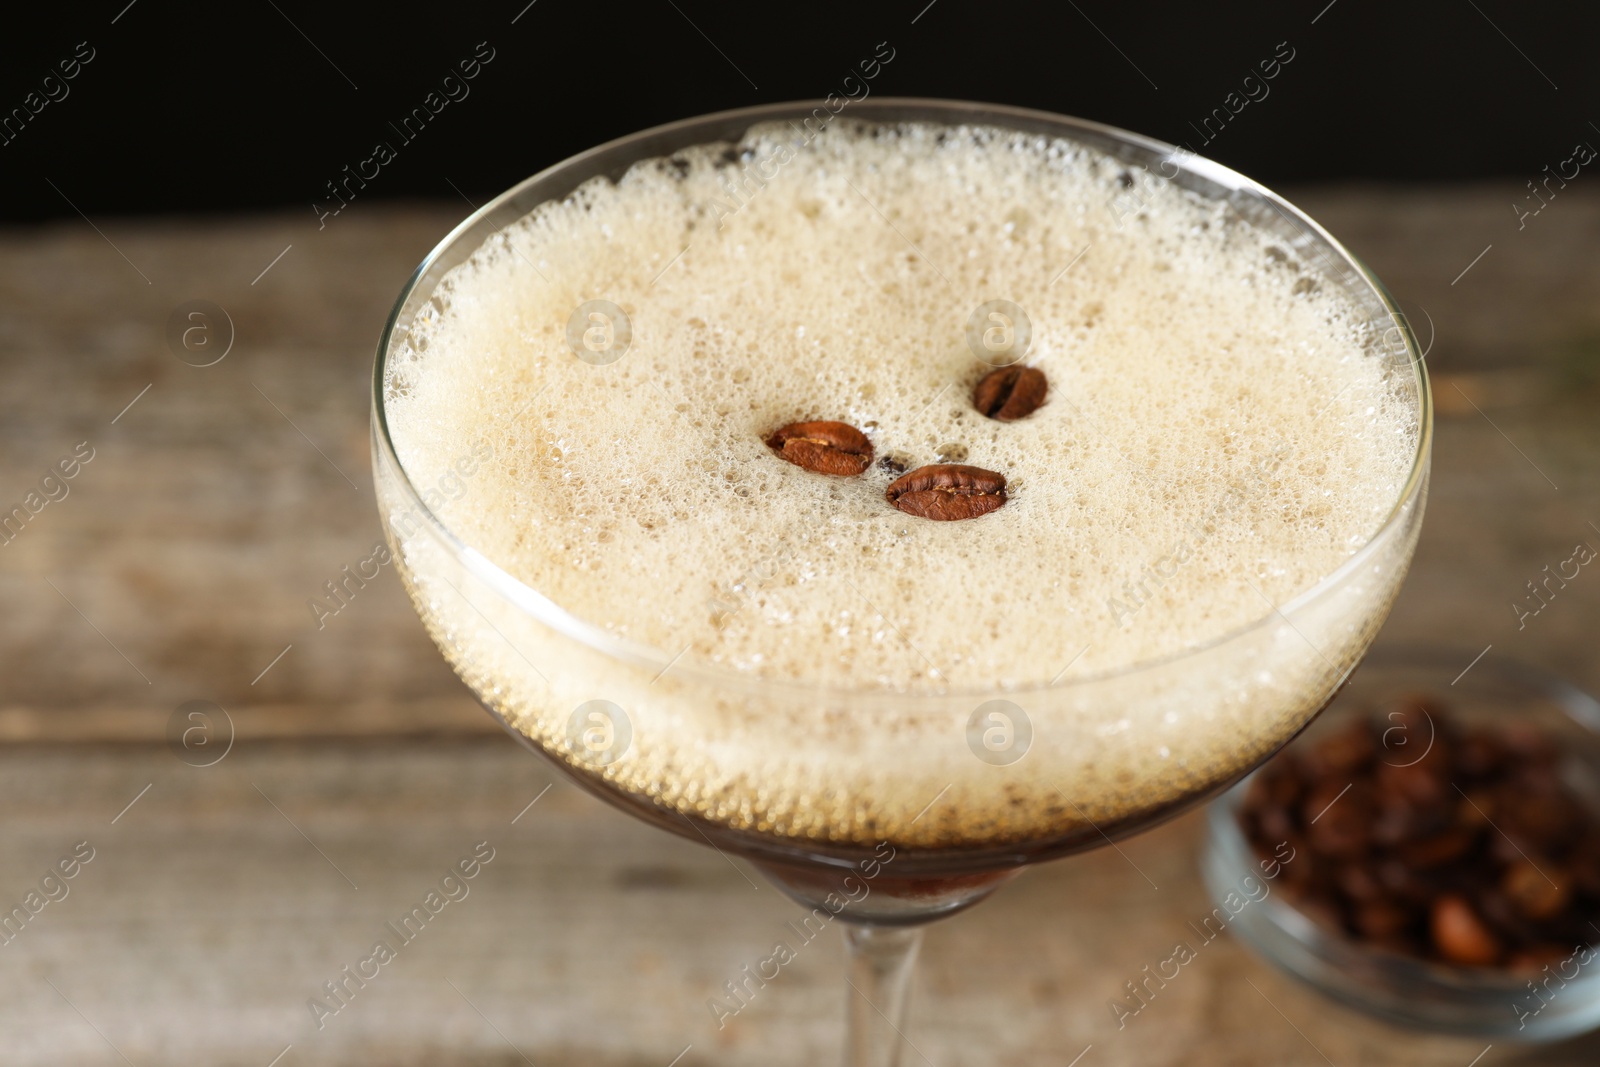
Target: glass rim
{"x":885,"y":110}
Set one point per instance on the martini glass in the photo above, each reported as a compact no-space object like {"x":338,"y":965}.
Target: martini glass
{"x":603,"y":709}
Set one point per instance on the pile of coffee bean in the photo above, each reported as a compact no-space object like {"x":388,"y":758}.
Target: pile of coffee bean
{"x":1452,"y":843}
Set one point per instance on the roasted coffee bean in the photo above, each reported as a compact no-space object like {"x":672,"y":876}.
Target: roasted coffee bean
{"x":1341,"y":836}
{"x":1476,"y":809}
{"x":1402,"y":821}
{"x":1419,"y":784}
{"x":1537,"y":808}
{"x":1399,"y":880}
{"x":1338,"y":821}
{"x":947,"y":491}
{"x":1538,"y":892}
{"x":1010,"y":393}
{"x":1459,"y":935}
{"x":1426,"y":853}
{"x":1382,"y":920}
{"x":824,"y":447}
{"x":1509,"y":846}
{"x":1395,"y":822}
{"x":1504,"y":920}
{"x":1357,"y":883}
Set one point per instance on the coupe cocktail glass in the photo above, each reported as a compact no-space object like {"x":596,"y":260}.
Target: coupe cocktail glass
{"x":596,"y":706}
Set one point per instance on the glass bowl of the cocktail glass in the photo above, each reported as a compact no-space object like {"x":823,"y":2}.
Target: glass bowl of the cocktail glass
{"x":680,"y":737}
{"x":1535,"y":999}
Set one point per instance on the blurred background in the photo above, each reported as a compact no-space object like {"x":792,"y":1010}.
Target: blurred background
{"x":160,"y":159}
{"x":220,"y":109}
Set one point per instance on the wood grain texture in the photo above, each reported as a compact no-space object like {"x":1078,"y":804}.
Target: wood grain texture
{"x":206,"y":921}
{"x":180,"y":565}
{"x":217,"y":506}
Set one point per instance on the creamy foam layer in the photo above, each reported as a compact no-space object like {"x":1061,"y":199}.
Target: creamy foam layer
{"x":1219,"y":435}
{"x":1200,"y":406}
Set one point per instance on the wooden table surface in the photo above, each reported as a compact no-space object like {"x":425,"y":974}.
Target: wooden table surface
{"x":179,"y":566}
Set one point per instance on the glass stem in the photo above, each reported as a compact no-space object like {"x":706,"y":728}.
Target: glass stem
{"x":881,"y":960}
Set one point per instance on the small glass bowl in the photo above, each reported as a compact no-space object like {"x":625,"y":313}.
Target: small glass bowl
{"x":1403,"y":989}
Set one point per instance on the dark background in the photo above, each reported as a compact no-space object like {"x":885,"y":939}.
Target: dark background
{"x":203,"y":108}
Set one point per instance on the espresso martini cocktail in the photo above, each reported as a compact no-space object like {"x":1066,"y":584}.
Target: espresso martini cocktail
{"x":941,"y":482}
